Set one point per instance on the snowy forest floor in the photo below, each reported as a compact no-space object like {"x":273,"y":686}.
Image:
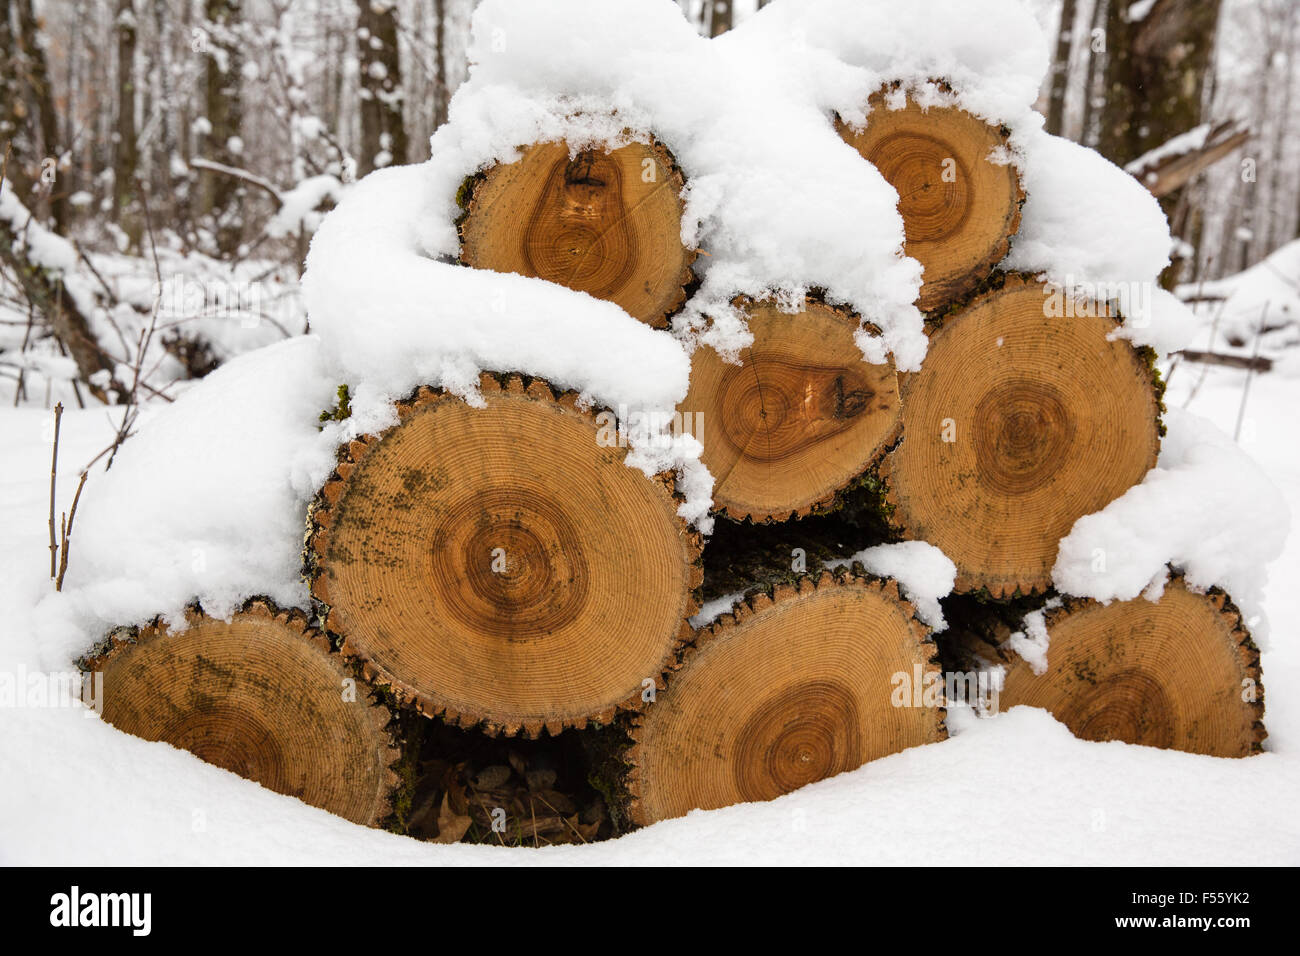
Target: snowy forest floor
{"x":1012,"y":789}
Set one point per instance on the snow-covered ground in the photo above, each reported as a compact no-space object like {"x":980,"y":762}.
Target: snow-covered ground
{"x":1016,"y":788}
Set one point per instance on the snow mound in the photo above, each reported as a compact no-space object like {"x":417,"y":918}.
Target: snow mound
{"x":391,"y":319}
{"x":1206,"y":508}
{"x":208,"y":501}
{"x":924,"y":573}
{"x":1093,"y":230}
{"x":1031,"y":640}
{"x":992,"y":53}
{"x":777,"y":200}
{"x":1267,"y":294}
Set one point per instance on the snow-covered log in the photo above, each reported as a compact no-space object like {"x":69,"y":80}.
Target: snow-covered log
{"x":605,"y":223}
{"x":1027,"y":415}
{"x":795,"y":684}
{"x":958,"y":191}
{"x":798,"y":419}
{"x":261,"y":695}
{"x":1176,"y":670}
{"x":502,"y":566}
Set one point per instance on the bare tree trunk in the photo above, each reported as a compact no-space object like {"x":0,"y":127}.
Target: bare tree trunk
{"x":1061,"y":69}
{"x":68,"y":133}
{"x":1155,"y":72}
{"x":29,"y":117}
{"x":383,"y":131}
{"x":167,"y":147}
{"x":720,"y":21}
{"x":1272,"y":236}
{"x":221,"y":194}
{"x":126,"y":158}
{"x":1096,"y":55}
{"x":441,"y":94}
{"x":13,"y":112}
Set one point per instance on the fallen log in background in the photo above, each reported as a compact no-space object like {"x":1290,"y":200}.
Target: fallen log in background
{"x":605,"y":223}
{"x":1180,"y":673}
{"x":499,"y":566}
{"x":791,"y":687}
{"x":261,"y":695}
{"x":960,"y":209}
{"x":1256,"y":363}
{"x":1175,"y":164}
{"x":798,"y":419}
{"x":1018,"y":424}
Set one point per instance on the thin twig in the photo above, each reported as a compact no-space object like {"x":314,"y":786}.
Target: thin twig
{"x":234,"y":172}
{"x":479,"y":797}
{"x":563,"y":818}
{"x":148,"y":221}
{"x":1205,"y":369}
{"x":1245,"y":389}
{"x":66,"y":544}
{"x":21,"y":388}
{"x":54,"y":474}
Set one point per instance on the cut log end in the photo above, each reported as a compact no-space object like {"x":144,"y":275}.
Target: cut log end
{"x":605,"y":223}
{"x":260,"y":695}
{"x":1020,"y":422}
{"x":1181,"y":673}
{"x":787,"y":690}
{"x":501,"y":566}
{"x":798,"y":420}
{"x":960,"y":208}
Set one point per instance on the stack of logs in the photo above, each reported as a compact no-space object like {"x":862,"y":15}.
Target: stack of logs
{"x":501,"y":570}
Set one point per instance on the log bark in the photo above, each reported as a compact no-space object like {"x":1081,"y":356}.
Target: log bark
{"x":799,"y":419}
{"x":605,"y":223}
{"x":1180,"y":673}
{"x":261,"y":695}
{"x":794,"y":686}
{"x":517,"y":587}
{"x":959,"y":208}
{"x":1020,"y":422}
